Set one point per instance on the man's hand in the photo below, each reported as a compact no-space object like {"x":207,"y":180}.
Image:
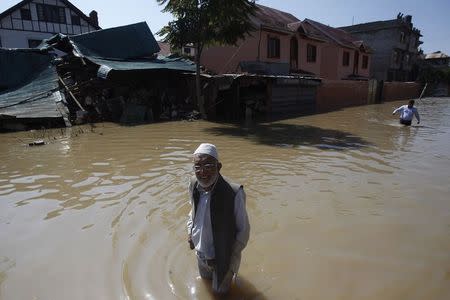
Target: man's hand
{"x":191,"y":243}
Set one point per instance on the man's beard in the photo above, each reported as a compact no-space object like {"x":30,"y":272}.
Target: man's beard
{"x":210,"y":182}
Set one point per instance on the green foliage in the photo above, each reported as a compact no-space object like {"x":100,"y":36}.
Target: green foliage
{"x":432,"y":75}
{"x":207,"y":22}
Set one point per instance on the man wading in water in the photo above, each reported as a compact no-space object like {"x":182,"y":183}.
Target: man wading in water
{"x":407,"y":112}
{"x":218,"y":227}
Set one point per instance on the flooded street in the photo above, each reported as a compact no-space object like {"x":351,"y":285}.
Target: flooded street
{"x":344,"y":205}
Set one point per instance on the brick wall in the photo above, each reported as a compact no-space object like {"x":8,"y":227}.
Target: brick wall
{"x":393,"y":91}
{"x":336,"y":94}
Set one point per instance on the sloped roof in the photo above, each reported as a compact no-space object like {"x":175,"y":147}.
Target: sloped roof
{"x":308,"y":30}
{"x":66,"y":2}
{"x":37,"y":95}
{"x":20,"y":65}
{"x":436,"y":55}
{"x":273,"y":17}
{"x":337,"y":35}
{"x":159,"y":63}
{"x":124,"y":48}
{"x":123,"y":42}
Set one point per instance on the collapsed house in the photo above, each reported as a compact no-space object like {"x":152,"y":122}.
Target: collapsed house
{"x":107,"y":75}
{"x":29,"y":90}
{"x":116,"y":75}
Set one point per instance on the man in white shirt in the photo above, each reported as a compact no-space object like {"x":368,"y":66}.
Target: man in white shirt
{"x":218,"y":226}
{"x":407,"y":112}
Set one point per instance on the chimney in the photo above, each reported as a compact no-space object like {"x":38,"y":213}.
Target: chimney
{"x":408,"y":18}
{"x":94,"y":17}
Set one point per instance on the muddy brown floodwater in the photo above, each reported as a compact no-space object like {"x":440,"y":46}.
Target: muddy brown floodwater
{"x":344,"y":205}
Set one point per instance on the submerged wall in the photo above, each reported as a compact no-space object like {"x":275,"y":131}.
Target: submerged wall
{"x":336,"y":94}
{"x":393,"y":91}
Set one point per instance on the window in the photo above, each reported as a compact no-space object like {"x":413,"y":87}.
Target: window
{"x":406,"y":59}
{"x":396,"y":57}
{"x":311,"y":52}
{"x":51,"y":13}
{"x":75,"y":20}
{"x":25,"y":14}
{"x":402,"y":37}
{"x":346,"y":58}
{"x":33,"y":43}
{"x":365,"y":63}
{"x":187,"y":50}
{"x":273,"y":47}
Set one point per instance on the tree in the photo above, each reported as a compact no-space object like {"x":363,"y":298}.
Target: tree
{"x":204,"y":23}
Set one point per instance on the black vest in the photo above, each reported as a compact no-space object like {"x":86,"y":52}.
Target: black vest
{"x":223,"y":222}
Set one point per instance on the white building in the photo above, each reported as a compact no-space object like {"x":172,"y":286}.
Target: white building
{"x":27,"y":23}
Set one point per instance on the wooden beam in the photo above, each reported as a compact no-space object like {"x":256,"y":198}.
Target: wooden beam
{"x":73,"y":97}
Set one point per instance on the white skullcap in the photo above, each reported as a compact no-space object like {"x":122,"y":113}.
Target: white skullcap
{"x":206,"y":148}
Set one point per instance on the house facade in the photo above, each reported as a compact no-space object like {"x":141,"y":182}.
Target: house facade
{"x":282,"y":44}
{"x":395,"y":45}
{"x":342,"y":56}
{"x":27,"y":23}
{"x":438,"y":60}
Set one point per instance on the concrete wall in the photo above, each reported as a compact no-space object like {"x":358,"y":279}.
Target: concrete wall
{"x":328,"y":64}
{"x":336,"y":94}
{"x":225,"y":59}
{"x":313,"y":67}
{"x":332,"y":63}
{"x":393,"y":91}
{"x":383,"y":42}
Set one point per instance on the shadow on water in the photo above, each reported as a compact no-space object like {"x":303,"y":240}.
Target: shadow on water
{"x":288,"y":135}
{"x":240,"y":290}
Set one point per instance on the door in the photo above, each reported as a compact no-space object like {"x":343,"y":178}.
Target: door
{"x":356,"y":64}
{"x":294,"y":54}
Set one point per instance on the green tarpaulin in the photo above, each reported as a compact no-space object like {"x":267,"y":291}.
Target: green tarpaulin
{"x":124,"y":48}
{"x":18,"y":66}
{"x":35,"y":99}
{"x":124,"y":42}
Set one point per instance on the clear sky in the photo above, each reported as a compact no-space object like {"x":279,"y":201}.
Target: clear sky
{"x":432,"y":17}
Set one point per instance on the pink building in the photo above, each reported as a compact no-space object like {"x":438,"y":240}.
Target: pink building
{"x":283,"y":44}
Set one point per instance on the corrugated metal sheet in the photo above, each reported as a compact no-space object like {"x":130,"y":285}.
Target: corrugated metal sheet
{"x":124,"y":48}
{"x":161,"y":63}
{"x":124,"y":42}
{"x":36,"y":99}
{"x":18,"y":66}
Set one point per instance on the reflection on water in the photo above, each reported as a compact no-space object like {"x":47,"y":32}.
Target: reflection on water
{"x":343,"y":205}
